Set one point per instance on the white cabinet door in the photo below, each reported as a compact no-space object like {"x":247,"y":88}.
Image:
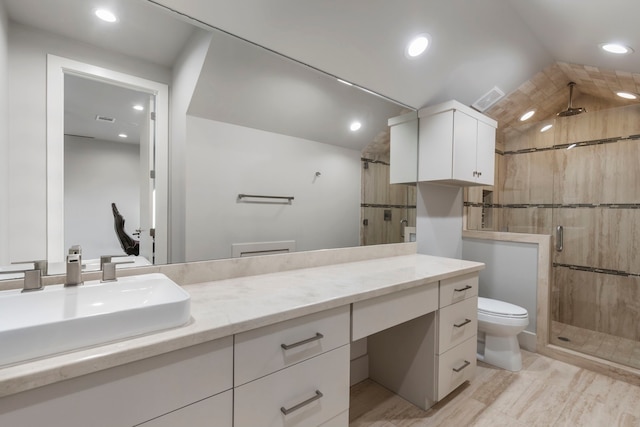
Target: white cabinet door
{"x":486,"y":153}
{"x":465,"y":135}
{"x":404,"y":149}
{"x":216,"y":411}
{"x":435,"y":152}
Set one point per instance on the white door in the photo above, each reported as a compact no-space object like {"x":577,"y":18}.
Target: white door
{"x":147,"y":181}
{"x":465,"y":132}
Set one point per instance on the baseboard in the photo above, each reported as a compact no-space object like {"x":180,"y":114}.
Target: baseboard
{"x":527,"y":340}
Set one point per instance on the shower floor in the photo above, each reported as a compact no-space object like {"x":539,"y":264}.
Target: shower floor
{"x":604,"y":346}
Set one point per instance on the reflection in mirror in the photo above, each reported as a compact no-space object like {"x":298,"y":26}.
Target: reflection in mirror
{"x":244,"y":120}
{"x":105,"y":162}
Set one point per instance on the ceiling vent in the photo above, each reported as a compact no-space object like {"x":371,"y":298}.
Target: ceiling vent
{"x":105,"y":119}
{"x":488,"y":99}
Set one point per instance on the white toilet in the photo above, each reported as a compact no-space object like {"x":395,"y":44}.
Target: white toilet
{"x":499,"y":324}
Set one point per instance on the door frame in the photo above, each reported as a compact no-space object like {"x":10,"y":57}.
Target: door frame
{"x":57,"y":67}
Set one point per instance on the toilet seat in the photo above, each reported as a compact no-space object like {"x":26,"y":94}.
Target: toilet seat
{"x":495,"y":308}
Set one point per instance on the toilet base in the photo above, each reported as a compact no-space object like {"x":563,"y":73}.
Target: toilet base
{"x":502,"y":352}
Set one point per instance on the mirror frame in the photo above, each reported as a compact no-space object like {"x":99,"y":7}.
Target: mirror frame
{"x":57,"y":67}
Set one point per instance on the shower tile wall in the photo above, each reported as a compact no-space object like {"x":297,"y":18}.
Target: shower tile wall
{"x":379,"y":196}
{"x":593,"y":191}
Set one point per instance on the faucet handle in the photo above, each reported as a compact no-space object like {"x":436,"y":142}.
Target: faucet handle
{"x":40,"y":264}
{"x":109,"y":271}
{"x":104,"y":259}
{"x":32,"y":277}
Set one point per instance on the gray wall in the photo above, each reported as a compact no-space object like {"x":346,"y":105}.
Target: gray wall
{"x":511,"y":272}
{"x":224,"y":160}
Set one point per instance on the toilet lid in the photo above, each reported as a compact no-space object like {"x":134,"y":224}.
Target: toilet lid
{"x":500,"y":308}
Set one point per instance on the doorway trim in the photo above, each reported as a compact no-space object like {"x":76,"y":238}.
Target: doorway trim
{"x":57,"y":67}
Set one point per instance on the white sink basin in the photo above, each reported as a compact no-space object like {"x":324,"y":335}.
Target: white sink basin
{"x":59,"y":319}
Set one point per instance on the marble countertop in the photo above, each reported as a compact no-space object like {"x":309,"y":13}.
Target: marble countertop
{"x":226,"y":307}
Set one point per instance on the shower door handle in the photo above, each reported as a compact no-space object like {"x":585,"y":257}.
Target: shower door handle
{"x":559,"y":238}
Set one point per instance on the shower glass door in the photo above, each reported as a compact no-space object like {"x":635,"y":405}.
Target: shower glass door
{"x":595,"y":296}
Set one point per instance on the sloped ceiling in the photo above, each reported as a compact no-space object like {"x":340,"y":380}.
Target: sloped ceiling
{"x":547,"y":92}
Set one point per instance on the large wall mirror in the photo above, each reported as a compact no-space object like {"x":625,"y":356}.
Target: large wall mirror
{"x":260,"y":153}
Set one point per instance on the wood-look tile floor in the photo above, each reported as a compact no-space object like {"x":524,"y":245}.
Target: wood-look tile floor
{"x":599,"y":344}
{"x":546,"y":392}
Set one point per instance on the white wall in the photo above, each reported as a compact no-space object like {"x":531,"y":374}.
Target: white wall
{"x":186,"y":72}
{"x":4,"y":137}
{"x":511,"y":272}
{"x":96,"y":174}
{"x":224,"y":160}
{"x":28,"y":48}
{"x":439,"y":220}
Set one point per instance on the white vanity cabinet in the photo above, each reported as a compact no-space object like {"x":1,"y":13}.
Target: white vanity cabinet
{"x":456,"y":145}
{"x":293,"y":373}
{"x":403,"y":149}
{"x":429,"y":355}
{"x":180,"y":383}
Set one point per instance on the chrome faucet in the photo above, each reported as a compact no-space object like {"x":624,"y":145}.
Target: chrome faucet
{"x":74,"y":267}
{"x":108,"y":267}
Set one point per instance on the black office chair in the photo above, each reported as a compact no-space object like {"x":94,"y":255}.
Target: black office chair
{"x":129,"y":245}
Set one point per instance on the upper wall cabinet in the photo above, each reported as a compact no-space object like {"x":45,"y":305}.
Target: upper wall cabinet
{"x":456,"y":145}
{"x":404,"y":149}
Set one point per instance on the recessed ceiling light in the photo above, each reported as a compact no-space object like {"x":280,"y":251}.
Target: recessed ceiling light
{"x":123,"y":135}
{"x":355,"y":126}
{"x":106,"y":15}
{"x":616,"y":48}
{"x":627,"y":95}
{"x":138,"y":107}
{"x":546,"y":128}
{"x":527,"y":115}
{"x":417,"y":46}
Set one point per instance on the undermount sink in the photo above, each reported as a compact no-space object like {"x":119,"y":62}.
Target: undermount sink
{"x":59,"y":319}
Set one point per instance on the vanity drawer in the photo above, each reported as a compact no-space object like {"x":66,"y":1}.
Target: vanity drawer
{"x":262,"y":351}
{"x":457,"y":323}
{"x":377,"y":314}
{"x":458,"y":289}
{"x":314,"y":392}
{"x":456,"y":366}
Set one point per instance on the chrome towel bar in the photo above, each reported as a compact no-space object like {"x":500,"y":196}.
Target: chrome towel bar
{"x":242,"y":196}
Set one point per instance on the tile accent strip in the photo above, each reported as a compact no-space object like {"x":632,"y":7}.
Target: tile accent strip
{"x":555,"y":205}
{"x":364,"y":159}
{"x":577,"y":144}
{"x":597,"y":270}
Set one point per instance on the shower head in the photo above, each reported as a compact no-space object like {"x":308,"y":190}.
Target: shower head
{"x":571,"y":111}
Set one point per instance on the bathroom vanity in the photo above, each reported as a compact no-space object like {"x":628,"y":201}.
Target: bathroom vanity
{"x":267,"y":350}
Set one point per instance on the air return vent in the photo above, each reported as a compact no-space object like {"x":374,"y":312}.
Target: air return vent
{"x":488,"y":99}
{"x":105,"y":119}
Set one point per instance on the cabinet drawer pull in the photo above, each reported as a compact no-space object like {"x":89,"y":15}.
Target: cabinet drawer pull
{"x":460,"y":325}
{"x":317,"y":337}
{"x":466,"y":363}
{"x":287,"y":411}
{"x":466,"y":288}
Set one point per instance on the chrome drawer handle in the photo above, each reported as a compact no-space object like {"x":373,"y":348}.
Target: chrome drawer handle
{"x":466,"y":363}
{"x":301,"y":404}
{"x":460,"y":325}
{"x":463,"y":289}
{"x":317,"y":337}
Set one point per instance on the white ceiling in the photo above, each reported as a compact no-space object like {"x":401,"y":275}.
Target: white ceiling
{"x":84,"y":99}
{"x":476,"y":45}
